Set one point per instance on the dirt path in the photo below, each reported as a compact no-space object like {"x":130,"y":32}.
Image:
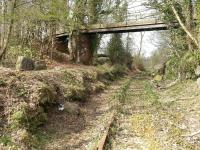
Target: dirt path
{"x":154,"y":119}
{"x":80,"y":131}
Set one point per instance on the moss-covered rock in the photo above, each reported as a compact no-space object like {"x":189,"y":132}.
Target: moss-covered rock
{"x":24,"y":64}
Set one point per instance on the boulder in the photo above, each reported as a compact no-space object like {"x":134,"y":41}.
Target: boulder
{"x":197,"y":71}
{"x":102,"y":60}
{"x":158,"y":78}
{"x":40,"y":65}
{"x":24,"y":64}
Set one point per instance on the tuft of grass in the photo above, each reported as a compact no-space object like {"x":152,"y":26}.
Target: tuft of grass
{"x":122,"y":94}
{"x":151,"y":96}
{"x":6,"y":140}
{"x":18,"y":118}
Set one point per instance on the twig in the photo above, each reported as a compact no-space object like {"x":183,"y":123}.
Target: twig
{"x":186,"y":98}
{"x":192,"y":134}
{"x":171,"y":84}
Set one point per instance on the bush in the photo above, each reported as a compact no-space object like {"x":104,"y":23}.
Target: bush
{"x":184,"y":66}
{"x":138,"y":63}
{"x":172,"y":68}
{"x":107,"y":72}
{"x":189,"y":62}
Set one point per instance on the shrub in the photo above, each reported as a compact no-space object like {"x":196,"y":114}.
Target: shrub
{"x":138,"y":63}
{"x":184,"y":66}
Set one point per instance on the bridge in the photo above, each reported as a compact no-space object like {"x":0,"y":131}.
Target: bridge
{"x":139,"y":18}
{"x":124,"y":27}
{"x":131,"y":26}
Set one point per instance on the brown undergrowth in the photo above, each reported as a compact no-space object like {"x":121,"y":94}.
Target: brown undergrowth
{"x":29,"y":99}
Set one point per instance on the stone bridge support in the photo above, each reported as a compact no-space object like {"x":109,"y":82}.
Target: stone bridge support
{"x":80,"y":48}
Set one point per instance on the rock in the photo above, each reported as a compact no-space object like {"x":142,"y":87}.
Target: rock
{"x":197,"y":71}
{"x":198,"y":82}
{"x":158,"y":78}
{"x":102,"y":60}
{"x":40,"y":65}
{"x":24,"y":64}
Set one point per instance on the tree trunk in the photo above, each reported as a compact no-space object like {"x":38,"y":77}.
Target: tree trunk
{"x":72,"y":46}
{"x":7,"y":40}
{"x":141,"y":43}
{"x":190,"y":22}
{"x":189,"y":34}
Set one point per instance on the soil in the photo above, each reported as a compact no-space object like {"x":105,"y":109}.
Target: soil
{"x":80,"y":131}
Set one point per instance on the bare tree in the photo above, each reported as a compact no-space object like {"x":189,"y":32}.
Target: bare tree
{"x":184,"y":27}
{"x":7,"y":38}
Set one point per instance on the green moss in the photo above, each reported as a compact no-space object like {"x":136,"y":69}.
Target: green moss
{"x":38,"y":120}
{"x":39,"y":139}
{"x":6,"y":140}
{"x":18,"y":118}
{"x":184,"y":66}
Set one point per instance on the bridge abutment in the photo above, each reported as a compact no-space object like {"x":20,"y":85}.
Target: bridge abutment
{"x":80,"y":48}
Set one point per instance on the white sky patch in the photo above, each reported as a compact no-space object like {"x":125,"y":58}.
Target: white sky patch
{"x":147,"y":46}
{"x":136,"y":10}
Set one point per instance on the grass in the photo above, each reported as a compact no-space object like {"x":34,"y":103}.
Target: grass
{"x":39,"y":140}
{"x":151,"y":96}
{"x":6,"y":140}
{"x":122,"y":94}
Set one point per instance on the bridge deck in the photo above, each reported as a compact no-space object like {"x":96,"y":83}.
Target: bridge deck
{"x":132,"y":26}
{"x":123,"y":27}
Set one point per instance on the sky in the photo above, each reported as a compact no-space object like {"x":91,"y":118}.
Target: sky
{"x":149,"y":42}
{"x":136,"y":10}
{"x":148,"y":46}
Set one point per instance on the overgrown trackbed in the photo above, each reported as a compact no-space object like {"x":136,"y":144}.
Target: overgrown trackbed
{"x":147,"y":119}
{"x":152,"y":119}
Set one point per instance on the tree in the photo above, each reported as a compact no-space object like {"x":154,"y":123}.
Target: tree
{"x":6,"y":40}
{"x":188,"y":27}
{"x":183,"y":12}
{"x":183,"y":40}
{"x":116,"y":49}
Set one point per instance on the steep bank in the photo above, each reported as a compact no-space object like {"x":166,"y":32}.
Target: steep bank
{"x":28,"y":99}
